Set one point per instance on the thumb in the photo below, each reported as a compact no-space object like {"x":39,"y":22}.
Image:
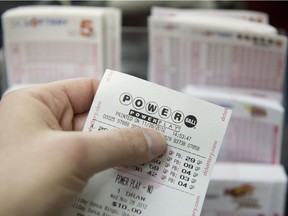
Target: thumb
{"x":119,"y":147}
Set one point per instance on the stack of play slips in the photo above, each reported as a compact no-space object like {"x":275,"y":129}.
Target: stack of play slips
{"x":242,"y":189}
{"x":255,"y":131}
{"x":215,"y":49}
{"x":47,"y":43}
{"x":253,"y":16}
{"x":237,"y":60}
{"x":231,"y":58}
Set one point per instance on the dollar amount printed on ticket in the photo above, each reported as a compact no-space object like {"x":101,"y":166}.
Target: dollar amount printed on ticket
{"x":174,"y":183}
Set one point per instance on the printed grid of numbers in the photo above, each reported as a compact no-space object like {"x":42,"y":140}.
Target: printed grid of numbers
{"x":35,"y":62}
{"x":205,"y":61}
{"x":235,"y":65}
{"x":250,"y":141}
{"x":176,"y":169}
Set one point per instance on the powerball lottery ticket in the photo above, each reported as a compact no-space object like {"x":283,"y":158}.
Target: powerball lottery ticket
{"x":175,"y":183}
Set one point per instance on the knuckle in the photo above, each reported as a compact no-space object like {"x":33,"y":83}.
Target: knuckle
{"x":135,"y":142}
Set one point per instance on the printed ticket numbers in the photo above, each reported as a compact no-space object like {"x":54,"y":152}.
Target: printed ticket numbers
{"x":175,"y":183}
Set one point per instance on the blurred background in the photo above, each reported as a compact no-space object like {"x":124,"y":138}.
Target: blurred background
{"x":134,"y":21}
{"x":134,"y":51}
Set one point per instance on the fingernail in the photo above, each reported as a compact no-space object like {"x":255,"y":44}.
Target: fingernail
{"x":155,"y":140}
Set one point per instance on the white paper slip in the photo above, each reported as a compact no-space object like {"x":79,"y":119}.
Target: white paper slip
{"x":172,"y":184}
{"x":253,"y":16}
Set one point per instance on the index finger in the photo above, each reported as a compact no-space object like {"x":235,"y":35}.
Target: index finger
{"x":79,"y":92}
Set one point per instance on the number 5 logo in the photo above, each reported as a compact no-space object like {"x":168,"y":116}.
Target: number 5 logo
{"x":86,"y":28}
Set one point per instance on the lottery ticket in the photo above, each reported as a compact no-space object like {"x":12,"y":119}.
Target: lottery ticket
{"x":175,"y":183}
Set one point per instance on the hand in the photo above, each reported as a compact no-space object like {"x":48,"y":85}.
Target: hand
{"x":45,"y":161}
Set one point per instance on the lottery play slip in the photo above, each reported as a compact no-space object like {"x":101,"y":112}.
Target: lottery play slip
{"x":174,"y":183}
